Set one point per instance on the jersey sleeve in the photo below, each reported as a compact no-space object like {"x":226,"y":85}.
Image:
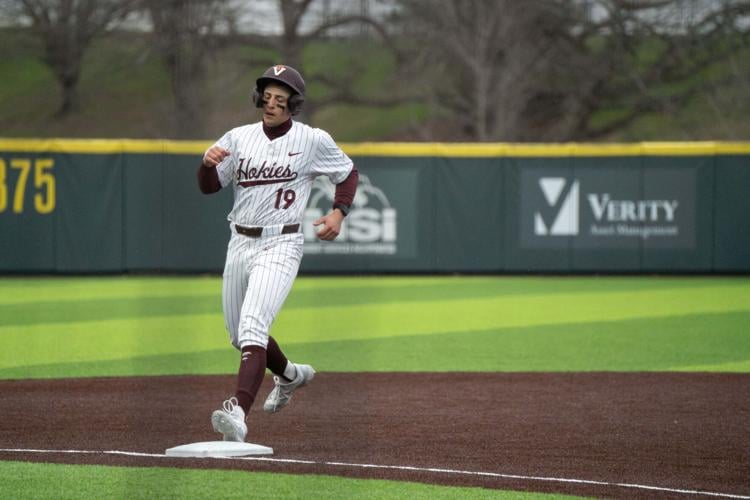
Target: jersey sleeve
{"x":330,"y":160}
{"x":226,"y":168}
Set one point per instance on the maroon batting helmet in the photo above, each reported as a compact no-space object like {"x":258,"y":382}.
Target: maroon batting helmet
{"x":289,"y":77}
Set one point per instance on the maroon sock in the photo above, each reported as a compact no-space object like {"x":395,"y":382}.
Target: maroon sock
{"x":276,"y":361}
{"x":250,"y":376}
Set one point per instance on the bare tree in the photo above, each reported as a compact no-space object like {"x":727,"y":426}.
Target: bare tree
{"x":488,"y":58}
{"x":185,"y":33}
{"x":302,"y":22}
{"x":67,"y":28}
{"x":547,"y":69}
{"x":658,"y":57}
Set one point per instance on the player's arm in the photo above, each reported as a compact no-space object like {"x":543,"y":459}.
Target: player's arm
{"x":342,"y":201}
{"x":208,"y":178}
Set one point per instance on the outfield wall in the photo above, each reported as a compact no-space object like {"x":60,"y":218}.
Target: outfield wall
{"x":80,"y":206}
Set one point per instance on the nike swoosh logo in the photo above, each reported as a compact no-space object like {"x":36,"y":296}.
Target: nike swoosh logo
{"x":295,"y":154}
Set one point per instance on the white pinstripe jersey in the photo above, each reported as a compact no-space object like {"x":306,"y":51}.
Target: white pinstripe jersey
{"x":272,"y":178}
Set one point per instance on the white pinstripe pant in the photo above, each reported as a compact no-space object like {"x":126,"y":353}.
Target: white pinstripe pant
{"x":258,"y":275}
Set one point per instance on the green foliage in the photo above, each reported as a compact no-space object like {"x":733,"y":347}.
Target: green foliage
{"x":125,"y":91}
{"x":712,"y":110}
{"x":369,"y":64}
{"x":121,"y":85}
{"x":26,"y":80}
{"x":353,"y":123}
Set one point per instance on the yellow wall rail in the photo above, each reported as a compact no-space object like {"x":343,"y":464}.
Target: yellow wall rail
{"x":400,"y":149}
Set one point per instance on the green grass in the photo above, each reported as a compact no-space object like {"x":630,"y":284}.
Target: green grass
{"x":120,"y":326}
{"x":40,"y":481}
{"x":355,"y":123}
{"x":156,"y":326}
{"x":121,"y":86}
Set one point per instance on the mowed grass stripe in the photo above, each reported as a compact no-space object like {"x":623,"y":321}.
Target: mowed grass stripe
{"x":54,"y":481}
{"x":136,"y":336}
{"x":186,"y":301}
{"x":706,"y":342}
{"x":417,"y":317}
{"x":84,"y":310}
{"x":60,"y":290}
{"x":36,"y":290}
{"x":186,"y":326}
{"x":719,"y":342}
{"x":110,"y":340}
{"x":307,"y":290}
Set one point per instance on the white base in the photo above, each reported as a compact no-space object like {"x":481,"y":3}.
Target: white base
{"x":218,"y":449}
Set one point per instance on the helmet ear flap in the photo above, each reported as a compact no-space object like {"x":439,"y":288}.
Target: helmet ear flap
{"x":257,"y":98}
{"x":295,"y":103}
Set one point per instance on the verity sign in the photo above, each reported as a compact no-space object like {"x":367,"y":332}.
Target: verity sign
{"x":607,"y":208}
{"x":562,"y":204}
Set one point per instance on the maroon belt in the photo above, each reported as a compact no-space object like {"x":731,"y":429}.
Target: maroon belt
{"x":257,"y":232}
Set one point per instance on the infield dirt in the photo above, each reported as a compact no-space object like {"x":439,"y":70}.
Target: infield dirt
{"x":678,"y":431}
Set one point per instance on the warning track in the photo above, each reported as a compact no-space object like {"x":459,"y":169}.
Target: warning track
{"x":661,"y":435}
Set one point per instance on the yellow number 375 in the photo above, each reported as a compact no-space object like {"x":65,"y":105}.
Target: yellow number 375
{"x":44,"y":182}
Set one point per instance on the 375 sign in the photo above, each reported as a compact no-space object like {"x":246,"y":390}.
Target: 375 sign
{"x":16,"y":174}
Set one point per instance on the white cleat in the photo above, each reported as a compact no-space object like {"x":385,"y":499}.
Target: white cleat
{"x":282,"y":392}
{"x":230,"y":421}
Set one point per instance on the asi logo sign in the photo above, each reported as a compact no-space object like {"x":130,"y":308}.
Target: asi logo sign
{"x":370,"y":227}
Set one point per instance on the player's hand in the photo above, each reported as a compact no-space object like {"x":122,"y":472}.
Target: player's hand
{"x":329,"y":226}
{"x":214,"y":155}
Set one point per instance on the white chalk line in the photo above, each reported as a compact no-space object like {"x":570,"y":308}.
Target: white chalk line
{"x":398,"y":467}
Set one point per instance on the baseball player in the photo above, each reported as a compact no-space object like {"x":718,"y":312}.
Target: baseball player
{"x":270,"y":166}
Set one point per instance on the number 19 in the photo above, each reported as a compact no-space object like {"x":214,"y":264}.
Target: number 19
{"x":287,"y":197}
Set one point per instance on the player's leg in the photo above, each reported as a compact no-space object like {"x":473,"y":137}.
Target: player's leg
{"x":278,"y":363}
{"x":229,"y":420}
{"x":285,"y":386}
{"x":272,"y":272}
{"x":234,"y":285}
{"x":250,"y":376}
{"x":289,"y":376}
